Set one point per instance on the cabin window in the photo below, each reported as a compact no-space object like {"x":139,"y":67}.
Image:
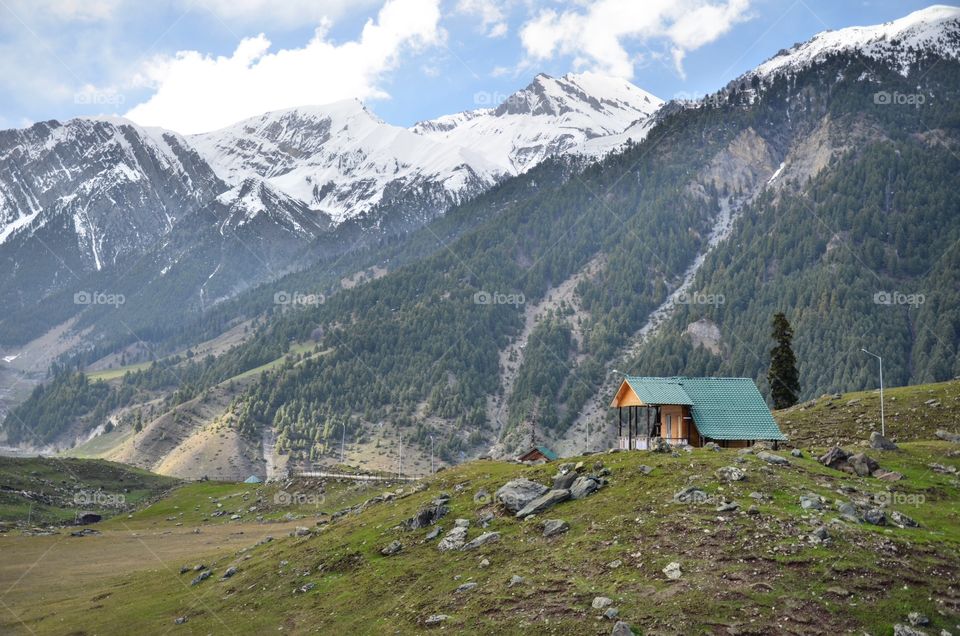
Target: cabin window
{"x":669,"y":426}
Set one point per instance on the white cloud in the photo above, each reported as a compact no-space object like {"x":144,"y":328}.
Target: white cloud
{"x":595,"y":36}
{"x":277,"y":12}
{"x":491,"y":14}
{"x":197,"y":92}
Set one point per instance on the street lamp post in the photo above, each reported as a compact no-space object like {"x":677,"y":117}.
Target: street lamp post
{"x":343,"y":440}
{"x":883,"y":428}
{"x":431,"y":456}
{"x":400,"y":462}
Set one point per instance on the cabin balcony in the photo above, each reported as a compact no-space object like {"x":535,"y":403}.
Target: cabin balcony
{"x":643,"y":443}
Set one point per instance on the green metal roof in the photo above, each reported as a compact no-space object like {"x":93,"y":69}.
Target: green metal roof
{"x":722,"y":408}
{"x":658,"y":390}
{"x":549,"y":454}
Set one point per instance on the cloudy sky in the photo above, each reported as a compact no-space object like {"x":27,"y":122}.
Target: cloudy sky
{"x":196,"y":65}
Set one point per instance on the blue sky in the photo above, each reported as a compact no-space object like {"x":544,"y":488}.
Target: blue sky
{"x":194,"y":65}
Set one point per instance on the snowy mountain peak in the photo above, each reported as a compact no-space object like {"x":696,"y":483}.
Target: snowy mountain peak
{"x":550,"y":116}
{"x":935,"y":29}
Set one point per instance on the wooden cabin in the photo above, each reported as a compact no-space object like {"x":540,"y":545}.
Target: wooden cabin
{"x":538,"y":453}
{"x":728,"y":411}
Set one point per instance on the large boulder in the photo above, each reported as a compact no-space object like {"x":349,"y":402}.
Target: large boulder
{"x":553,"y":527}
{"x":453,"y":540}
{"x":621,"y":629}
{"x":426,"y":516}
{"x":563,"y":481}
{"x":584,"y":486}
{"x":770,"y":458}
{"x":543,"y":503}
{"x":835,"y":458}
{"x":730,"y":474}
{"x":659,"y":445}
{"x":517,"y":493}
{"x":690,"y":494}
{"x":483,"y":539}
{"x":862,"y":464}
{"x":879,"y":442}
{"x":947,"y":436}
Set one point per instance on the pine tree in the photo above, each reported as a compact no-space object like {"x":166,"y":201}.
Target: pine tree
{"x":783,"y":376}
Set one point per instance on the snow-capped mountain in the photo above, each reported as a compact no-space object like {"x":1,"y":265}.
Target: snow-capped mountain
{"x":342,"y":160}
{"x":934,"y":30}
{"x":117,"y":185}
{"x":576,"y":114}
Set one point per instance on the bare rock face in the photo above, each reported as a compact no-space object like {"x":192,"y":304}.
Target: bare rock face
{"x":543,"y":503}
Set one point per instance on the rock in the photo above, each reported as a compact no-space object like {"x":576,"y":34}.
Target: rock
{"x":847,"y":511}
{"x":753,"y":510}
{"x":712,"y":446}
{"x":759,"y":496}
{"x":879,"y":442}
{"x":875,"y":516}
{"x":434,"y":533}
{"x":672,"y":571}
{"x":819,"y":535}
{"x":203,"y":576}
{"x":903,"y":521}
{"x":811,"y":501}
{"x":517,"y":493}
{"x":770,"y":458}
{"x":601,"y":602}
{"x":745,"y":451}
{"x":905,"y":630}
{"x":690,"y":494}
{"x":917,"y":619}
{"x":645,"y":470}
{"x":834,"y":458}
{"x":796,"y":452}
{"x":728,"y":506}
{"x":611,"y":613}
{"x":481,"y":496}
{"x":453,"y":540}
{"x":543,"y":503}
{"x":730,"y":474}
{"x":230,"y":571}
{"x":301,"y":531}
{"x":393,"y":548}
{"x":516,"y":580}
{"x":485,"y":519}
{"x":180,"y":620}
{"x":554,"y":527}
{"x":659,"y":445}
{"x":584,"y":486}
{"x":613,"y":565}
{"x":948,"y":436}
{"x":483,"y":539}
{"x":435,"y":619}
{"x":862,"y":465}
{"x":887,"y":475}
{"x":853,"y":402}
{"x":466,"y":587}
{"x":303,"y":589}
{"x":563,"y":481}
{"x":461,"y":523}
{"x":485,"y":563}
{"x":621,"y":629}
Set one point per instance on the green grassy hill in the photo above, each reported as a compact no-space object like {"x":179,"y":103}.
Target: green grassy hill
{"x":754,"y":570}
{"x":911,"y":413}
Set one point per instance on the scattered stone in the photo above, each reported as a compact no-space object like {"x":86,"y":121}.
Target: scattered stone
{"x":819,"y":535}
{"x":621,"y":629}
{"x":613,"y":565}
{"x":770,"y":458}
{"x":554,"y":527}
{"x":585,"y":486}
{"x":434,"y":533}
{"x":745,"y":451}
{"x":516,"y":580}
{"x":730,"y":474}
{"x":461,"y":523}
{"x":601,"y":602}
{"x":659,"y":445}
{"x":517,"y":493}
{"x":483,"y":539}
{"x":563,"y":481}
{"x":485,"y":519}
{"x":917,"y":619}
{"x":203,"y":576}
{"x":611,"y":613}
{"x":905,"y":630}
{"x":394,"y":547}
{"x":453,"y":540}
{"x":435,"y":619}
{"x":180,"y":620}
{"x":712,"y":446}
{"x":887,"y":475}
{"x":862,"y":465}
{"x":645,"y":470}
{"x":481,"y":496}
{"x":759,"y":496}
{"x":838,"y":591}
{"x":902,"y":521}
{"x":811,"y":501}
{"x":847,"y":511}
{"x":466,"y":587}
{"x":875,"y":516}
{"x":947,"y":436}
{"x":835,"y":458}
{"x":303,"y":589}
{"x":796,"y":452}
{"x":673,"y":571}
{"x":690,"y":494}
{"x":485,"y":563}
{"x":879,"y":442}
{"x":753,"y":510}
{"x":543,"y":502}
{"x":301,"y":531}
{"x":853,"y":402}
{"x":230,"y":571}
